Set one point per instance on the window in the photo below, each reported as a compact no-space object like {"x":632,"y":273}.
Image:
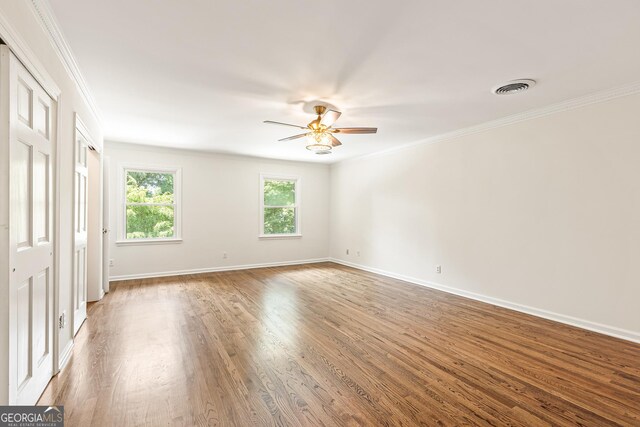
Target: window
{"x":151,"y":208}
{"x":280,"y":206}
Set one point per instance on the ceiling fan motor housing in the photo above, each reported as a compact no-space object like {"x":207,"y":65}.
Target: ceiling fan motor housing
{"x":320,"y":109}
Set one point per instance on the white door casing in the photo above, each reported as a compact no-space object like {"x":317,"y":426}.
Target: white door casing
{"x":81,"y":175}
{"x":30,"y":263}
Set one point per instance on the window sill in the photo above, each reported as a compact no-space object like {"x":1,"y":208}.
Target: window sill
{"x":279,"y":236}
{"x":135,"y":242}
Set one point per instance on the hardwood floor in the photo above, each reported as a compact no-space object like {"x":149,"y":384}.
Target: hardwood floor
{"x":325,"y":344}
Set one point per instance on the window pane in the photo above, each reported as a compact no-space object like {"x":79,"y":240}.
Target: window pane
{"x":149,"y":187}
{"x":146,"y":222}
{"x":279,"y":193}
{"x":279,"y":220}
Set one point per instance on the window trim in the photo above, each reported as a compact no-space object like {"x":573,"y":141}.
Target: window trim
{"x":297,"y":206}
{"x":177,"y":204}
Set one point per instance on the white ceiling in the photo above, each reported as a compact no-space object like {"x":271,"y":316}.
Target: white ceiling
{"x":203,"y":74}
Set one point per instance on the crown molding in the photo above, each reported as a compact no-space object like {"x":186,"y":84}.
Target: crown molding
{"x":27,"y":57}
{"x":47,"y":20}
{"x":570,"y":104}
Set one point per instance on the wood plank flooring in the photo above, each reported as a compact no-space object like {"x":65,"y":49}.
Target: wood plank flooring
{"x":324,"y":344}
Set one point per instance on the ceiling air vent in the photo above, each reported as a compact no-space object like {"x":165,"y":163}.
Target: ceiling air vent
{"x":514,"y":86}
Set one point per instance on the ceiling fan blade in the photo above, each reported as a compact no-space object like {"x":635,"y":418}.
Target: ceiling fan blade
{"x":271,"y":122}
{"x":355,"y":130}
{"x":293,"y":137}
{"x":334,"y":140}
{"x":330,"y":117}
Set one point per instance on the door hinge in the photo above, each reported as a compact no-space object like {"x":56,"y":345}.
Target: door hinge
{"x":62,"y":320}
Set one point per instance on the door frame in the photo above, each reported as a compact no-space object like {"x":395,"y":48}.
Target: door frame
{"x":17,"y":45}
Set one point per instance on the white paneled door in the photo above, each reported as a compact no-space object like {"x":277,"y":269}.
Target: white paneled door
{"x":31,"y":323}
{"x":105,"y":225}
{"x":80,"y":227}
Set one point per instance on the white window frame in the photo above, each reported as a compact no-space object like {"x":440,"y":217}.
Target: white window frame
{"x":177,"y":204}
{"x":297,"y":205}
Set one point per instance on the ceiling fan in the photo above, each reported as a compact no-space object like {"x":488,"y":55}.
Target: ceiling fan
{"x":320,"y":131}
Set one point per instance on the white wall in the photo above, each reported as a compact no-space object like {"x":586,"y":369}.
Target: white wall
{"x":21,"y":17}
{"x":543,"y":213}
{"x":220,"y":212}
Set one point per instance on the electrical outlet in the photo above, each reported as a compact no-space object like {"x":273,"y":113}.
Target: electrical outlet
{"x":224,"y":255}
{"x":438,"y":269}
{"x":347,"y":251}
{"x":110,"y":263}
{"x":358,"y":253}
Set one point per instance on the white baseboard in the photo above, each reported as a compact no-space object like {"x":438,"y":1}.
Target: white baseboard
{"x":66,"y":355}
{"x":569,"y":320}
{"x":215,"y":269}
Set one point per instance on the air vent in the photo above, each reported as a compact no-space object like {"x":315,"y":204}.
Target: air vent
{"x":515,"y":86}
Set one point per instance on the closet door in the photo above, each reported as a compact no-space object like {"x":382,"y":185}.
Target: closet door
{"x":30,"y":236}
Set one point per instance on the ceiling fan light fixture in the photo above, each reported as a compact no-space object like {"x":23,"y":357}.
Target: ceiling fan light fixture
{"x":318,"y":137}
{"x":319,"y":148}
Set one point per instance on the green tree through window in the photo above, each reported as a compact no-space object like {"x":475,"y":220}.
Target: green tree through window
{"x":150,"y":205}
{"x":280,"y":206}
